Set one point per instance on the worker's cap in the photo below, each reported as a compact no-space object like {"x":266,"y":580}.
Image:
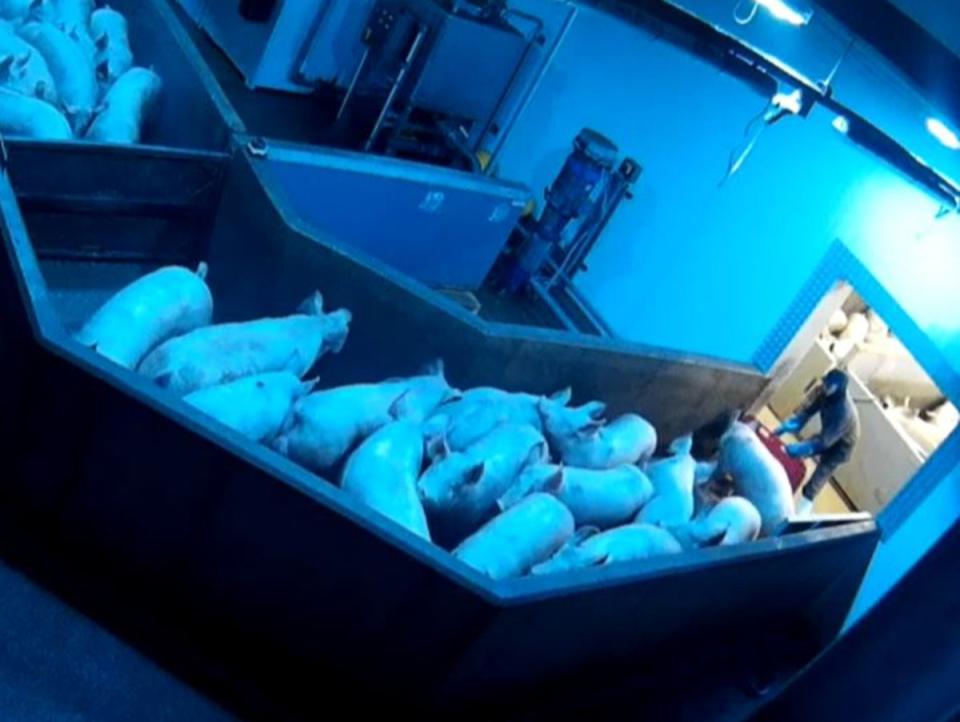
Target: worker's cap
{"x":837,"y":378}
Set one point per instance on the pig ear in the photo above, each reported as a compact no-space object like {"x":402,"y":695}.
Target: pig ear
{"x":705,"y":471}
{"x":307,"y":387}
{"x":398,"y":409}
{"x":6,"y":67}
{"x":554,"y":483}
{"x":313,"y":306}
{"x":40,"y":89}
{"x":538,"y":452}
{"x":562,"y":397}
{"x":202,"y":270}
{"x":437,"y":447}
{"x":281,"y":445}
{"x":582,"y":534}
{"x":474,"y":474}
{"x":682,"y":445}
{"x":590,"y":429}
{"x":435,"y":368}
{"x":596,"y":410}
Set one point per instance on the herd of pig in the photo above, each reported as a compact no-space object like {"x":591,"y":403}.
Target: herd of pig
{"x":67,"y":71}
{"x":512,"y":483}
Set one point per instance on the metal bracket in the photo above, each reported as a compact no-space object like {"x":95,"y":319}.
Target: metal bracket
{"x":257,"y":148}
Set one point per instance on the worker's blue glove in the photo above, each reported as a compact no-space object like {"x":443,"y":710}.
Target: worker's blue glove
{"x":802,"y":450}
{"x":790,"y":426}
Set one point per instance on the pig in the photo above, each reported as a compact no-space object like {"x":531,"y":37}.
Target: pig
{"x":326,"y":425}
{"x":512,"y":543}
{"x":757,"y":475}
{"x":152,"y":309}
{"x":74,"y":14}
{"x":219,"y":354}
{"x":590,"y":548}
{"x":23,"y":69}
{"x":43,"y":11}
{"x":128,"y":103}
{"x":27,"y":75}
{"x":383,"y":472}
{"x":600,"y":499}
{"x":591,"y":444}
{"x":72,"y":70}
{"x":25,"y":117}
{"x":256,"y":406}
{"x":673,"y":480}
{"x":479,"y":411}
{"x":731,"y":521}
{"x":460,"y":489}
{"x":15,"y":10}
{"x":112,"y":40}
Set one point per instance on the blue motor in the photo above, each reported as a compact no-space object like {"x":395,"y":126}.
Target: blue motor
{"x":590,"y":164}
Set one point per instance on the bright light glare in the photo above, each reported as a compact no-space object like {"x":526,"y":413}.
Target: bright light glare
{"x":841,"y":124}
{"x":792,"y":102}
{"x":781,"y":11}
{"x":941,"y":132}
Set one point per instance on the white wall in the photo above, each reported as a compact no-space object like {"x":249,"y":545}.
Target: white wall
{"x":711,"y":269}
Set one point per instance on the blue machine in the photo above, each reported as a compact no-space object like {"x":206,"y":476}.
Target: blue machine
{"x":587,"y":190}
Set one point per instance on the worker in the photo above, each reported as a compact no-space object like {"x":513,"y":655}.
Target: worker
{"x":840,"y":432}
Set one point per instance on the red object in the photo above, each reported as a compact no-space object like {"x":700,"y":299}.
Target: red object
{"x":795,"y":468}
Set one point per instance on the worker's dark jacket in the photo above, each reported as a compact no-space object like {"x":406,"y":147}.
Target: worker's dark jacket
{"x":840,"y":425}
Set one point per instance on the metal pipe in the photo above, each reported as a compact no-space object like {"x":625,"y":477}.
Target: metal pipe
{"x":537,"y":81}
{"x":351,"y":89}
{"x":395,"y":88}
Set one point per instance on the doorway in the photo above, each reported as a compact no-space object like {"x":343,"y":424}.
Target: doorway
{"x":904,"y":416}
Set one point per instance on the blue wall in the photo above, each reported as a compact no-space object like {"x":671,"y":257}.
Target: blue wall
{"x":693,"y":265}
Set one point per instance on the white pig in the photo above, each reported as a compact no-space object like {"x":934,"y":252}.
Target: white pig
{"x":25,"y":117}
{"x":256,"y":406}
{"x":111,"y":37}
{"x":479,"y":411}
{"x":673,"y":481}
{"x":461,"y":489}
{"x":74,"y":14}
{"x":588,"y":548}
{"x":23,"y":69}
{"x":218,"y":354}
{"x":757,"y":475}
{"x":43,"y":11}
{"x":72,"y":70}
{"x":326,"y":425}
{"x":152,"y":309}
{"x":524,"y":535}
{"x":601,"y":499}
{"x":124,"y":110}
{"x":731,"y":521}
{"x":630,"y":439}
{"x":15,"y":10}
{"x":383,"y":472}
{"x":27,"y":75}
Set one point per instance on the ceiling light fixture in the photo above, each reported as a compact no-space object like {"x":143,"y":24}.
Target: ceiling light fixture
{"x":939,"y":130}
{"x":781,"y":10}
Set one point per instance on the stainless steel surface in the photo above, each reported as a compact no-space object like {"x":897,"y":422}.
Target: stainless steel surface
{"x":439,"y":226}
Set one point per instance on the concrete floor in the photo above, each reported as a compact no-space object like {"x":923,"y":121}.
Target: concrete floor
{"x":56,"y":665}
